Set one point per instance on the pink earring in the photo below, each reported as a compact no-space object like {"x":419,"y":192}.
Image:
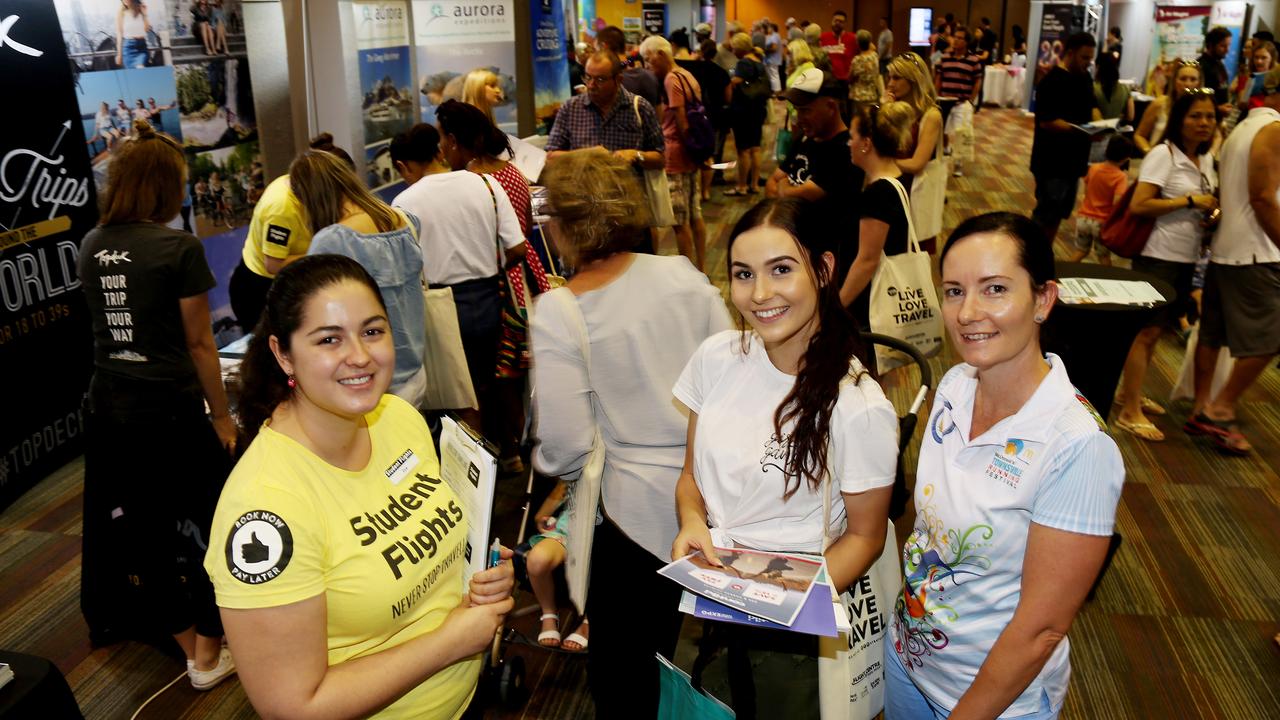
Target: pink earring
{"x":292,"y":383}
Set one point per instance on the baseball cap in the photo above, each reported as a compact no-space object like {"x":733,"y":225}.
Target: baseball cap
{"x":702,"y":29}
{"x":813,"y":84}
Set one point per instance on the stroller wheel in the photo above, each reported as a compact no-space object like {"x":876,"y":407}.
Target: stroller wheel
{"x":511,"y":689}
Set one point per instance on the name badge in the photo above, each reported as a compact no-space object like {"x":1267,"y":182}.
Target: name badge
{"x":401,"y":468}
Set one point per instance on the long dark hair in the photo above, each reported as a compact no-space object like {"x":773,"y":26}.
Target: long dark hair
{"x":473,"y":130}
{"x":1178,"y":116}
{"x":826,"y":361}
{"x":1034,"y":254}
{"x":263,"y":383}
{"x":1108,"y":75}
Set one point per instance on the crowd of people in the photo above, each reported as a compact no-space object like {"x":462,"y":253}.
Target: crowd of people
{"x":760,"y":424}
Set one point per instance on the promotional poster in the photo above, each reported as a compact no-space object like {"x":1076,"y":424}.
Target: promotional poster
{"x":550,"y":61}
{"x":1180,"y":31}
{"x":47,"y":204}
{"x":463,"y":44}
{"x":386,"y":81}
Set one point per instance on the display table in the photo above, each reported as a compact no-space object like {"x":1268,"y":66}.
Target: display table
{"x":1002,"y":85}
{"x":1093,"y":340}
{"x":37,"y":690}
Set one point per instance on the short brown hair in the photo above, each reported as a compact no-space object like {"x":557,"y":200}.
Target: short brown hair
{"x":597,"y":199}
{"x":146,"y":178}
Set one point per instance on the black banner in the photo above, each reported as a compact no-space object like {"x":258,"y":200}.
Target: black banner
{"x":654,"y":16}
{"x":47,"y":204}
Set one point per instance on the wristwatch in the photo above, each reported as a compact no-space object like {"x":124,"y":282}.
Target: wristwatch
{"x":1190,"y":202}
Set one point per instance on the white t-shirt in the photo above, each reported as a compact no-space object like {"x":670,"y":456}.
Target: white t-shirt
{"x":461,"y":228}
{"x":1176,"y":235}
{"x":738,"y":459}
{"x":1240,"y":239}
{"x":1051,"y":463}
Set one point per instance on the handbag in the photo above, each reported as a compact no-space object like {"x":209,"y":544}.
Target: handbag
{"x":1124,"y":233}
{"x":928,"y":195}
{"x":583,"y":492}
{"x":656,"y":190}
{"x":1185,"y":387}
{"x":782,"y":141}
{"x":679,"y":700}
{"x":904,"y":302}
{"x":444,"y":362}
{"x":851,"y":665}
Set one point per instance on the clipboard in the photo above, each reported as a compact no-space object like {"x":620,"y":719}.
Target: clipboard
{"x":469,"y":464}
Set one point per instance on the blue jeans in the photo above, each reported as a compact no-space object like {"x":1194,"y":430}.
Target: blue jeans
{"x":134,"y":52}
{"x":904,"y":701}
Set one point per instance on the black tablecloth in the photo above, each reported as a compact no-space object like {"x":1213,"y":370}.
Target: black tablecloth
{"x":37,"y":690}
{"x":1093,"y":340}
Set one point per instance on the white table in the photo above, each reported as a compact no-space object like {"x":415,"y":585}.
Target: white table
{"x":1003,"y":85}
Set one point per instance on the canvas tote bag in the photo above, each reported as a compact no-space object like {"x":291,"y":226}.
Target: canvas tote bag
{"x":904,"y":302}
{"x":928,"y":195}
{"x":656,"y":188}
{"x":851,"y":665}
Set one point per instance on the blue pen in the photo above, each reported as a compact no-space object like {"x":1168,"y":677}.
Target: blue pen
{"x":495,"y":553}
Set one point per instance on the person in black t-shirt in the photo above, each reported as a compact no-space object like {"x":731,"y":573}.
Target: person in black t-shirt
{"x":153,"y":460}
{"x":1060,"y":151}
{"x":876,"y":138}
{"x":818,"y":167}
{"x":1217,"y":43}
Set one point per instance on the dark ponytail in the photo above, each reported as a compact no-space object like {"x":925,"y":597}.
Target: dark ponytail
{"x":473,"y":130}
{"x":831,"y":350}
{"x":263,"y":383}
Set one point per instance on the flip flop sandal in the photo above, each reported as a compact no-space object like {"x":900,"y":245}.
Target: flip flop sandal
{"x":735,"y":193}
{"x":553,"y":635}
{"x":1151,"y":407}
{"x":577,"y":639}
{"x":1233,"y":443}
{"x":1201,"y":424}
{"x":1143,"y":430}
{"x":1225,"y":434}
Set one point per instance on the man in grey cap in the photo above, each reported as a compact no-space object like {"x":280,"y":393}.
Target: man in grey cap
{"x":818,"y":166}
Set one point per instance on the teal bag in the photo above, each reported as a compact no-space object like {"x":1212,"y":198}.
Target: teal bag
{"x":782,"y":144}
{"x":679,"y":700}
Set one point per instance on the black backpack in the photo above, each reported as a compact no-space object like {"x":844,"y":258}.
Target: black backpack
{"x":700,"y":137}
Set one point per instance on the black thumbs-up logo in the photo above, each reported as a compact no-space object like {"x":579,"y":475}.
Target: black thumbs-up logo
{"x":259,"y":546}
{"x":254,"y":551}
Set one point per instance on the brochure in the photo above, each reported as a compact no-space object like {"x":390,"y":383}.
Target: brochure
{"x":469,"y":463}
{"x":1089,"y":291}
{"x":816,"y":617}
{"x":771,"y":586}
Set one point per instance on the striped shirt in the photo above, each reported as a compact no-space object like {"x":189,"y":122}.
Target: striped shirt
{"x":959,"y":76}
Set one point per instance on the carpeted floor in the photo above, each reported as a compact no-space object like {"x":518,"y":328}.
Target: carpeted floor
{"x":1181,"y":626}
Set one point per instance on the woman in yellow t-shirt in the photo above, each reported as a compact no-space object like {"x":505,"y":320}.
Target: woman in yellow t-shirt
{"x":337,"y":552}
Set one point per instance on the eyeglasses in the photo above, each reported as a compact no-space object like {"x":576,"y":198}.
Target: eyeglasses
{"x":597,"y":79}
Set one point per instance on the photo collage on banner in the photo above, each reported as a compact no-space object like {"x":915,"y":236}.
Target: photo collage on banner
{"x":47,"y":204}
{"x":1056,"y":23}
{"x":181,"y":65}
{"x":466,"y":51}
{"x":1180,"y":32}
{"x":386,"y":83}
{"x":550,"y":62}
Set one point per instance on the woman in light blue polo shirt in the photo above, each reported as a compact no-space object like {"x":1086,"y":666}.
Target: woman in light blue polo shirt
{"x":1016,"y":497}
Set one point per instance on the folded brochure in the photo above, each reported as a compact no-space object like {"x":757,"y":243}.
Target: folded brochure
{"x":817,"y":617}
{"x":770,"y":586}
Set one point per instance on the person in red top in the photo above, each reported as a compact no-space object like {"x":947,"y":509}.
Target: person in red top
{"x":840,"y":45}
{"x":1104,"y":186}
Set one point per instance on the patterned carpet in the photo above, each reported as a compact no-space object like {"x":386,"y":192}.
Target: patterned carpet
{"x":1181,"y":626}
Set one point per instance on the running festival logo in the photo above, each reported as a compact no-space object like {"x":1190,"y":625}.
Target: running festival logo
{"x":1009,"y":462}
{"x":259,"y":547}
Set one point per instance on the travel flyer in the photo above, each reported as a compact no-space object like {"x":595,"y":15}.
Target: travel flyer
{"x":816,"y":617}
{"x":771,"y":586}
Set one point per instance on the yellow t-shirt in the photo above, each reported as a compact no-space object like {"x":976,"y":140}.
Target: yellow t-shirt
{"x":385,"y":545}
{"x":277,"y":229}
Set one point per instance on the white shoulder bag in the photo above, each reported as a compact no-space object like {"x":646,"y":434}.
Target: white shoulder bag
{"x":904,"y":302}
{"x":656,"y":189}
{"x":929,"y":193}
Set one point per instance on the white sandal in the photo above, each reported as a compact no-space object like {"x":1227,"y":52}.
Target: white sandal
{"x":577,"y":639}
{"x":549,"y":634}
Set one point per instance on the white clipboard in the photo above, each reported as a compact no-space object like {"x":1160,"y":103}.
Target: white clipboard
{"x":469,"y":463}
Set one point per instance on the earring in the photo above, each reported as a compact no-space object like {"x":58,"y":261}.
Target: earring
{"x":294,"y":383}
{"x":1039,"y":319}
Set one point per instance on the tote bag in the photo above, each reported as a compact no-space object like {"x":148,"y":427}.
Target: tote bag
{"x":679,"y":700}
{"x":851,"y":665}
{"x":928,"y":196}
{"x":656,"y":189}
{"x":904,"y":302}
{"x":583,"y":492}
{"x":448,"y":381}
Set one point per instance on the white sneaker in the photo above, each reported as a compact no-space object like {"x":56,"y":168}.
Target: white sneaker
{"x":206,"y":679}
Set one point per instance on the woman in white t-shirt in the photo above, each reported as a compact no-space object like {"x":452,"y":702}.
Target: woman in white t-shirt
{"x":1177,"y":187}
{"x":781,"y":408}
{"x":1015,"y":497}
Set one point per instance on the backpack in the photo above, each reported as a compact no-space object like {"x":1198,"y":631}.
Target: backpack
{"x":700,"y":136}
{"x":758,"y":88}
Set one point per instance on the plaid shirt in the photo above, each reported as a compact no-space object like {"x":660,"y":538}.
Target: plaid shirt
{"x":580,"y":124}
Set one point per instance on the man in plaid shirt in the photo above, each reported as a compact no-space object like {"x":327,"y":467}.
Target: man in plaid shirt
{"x":608,"y":116}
